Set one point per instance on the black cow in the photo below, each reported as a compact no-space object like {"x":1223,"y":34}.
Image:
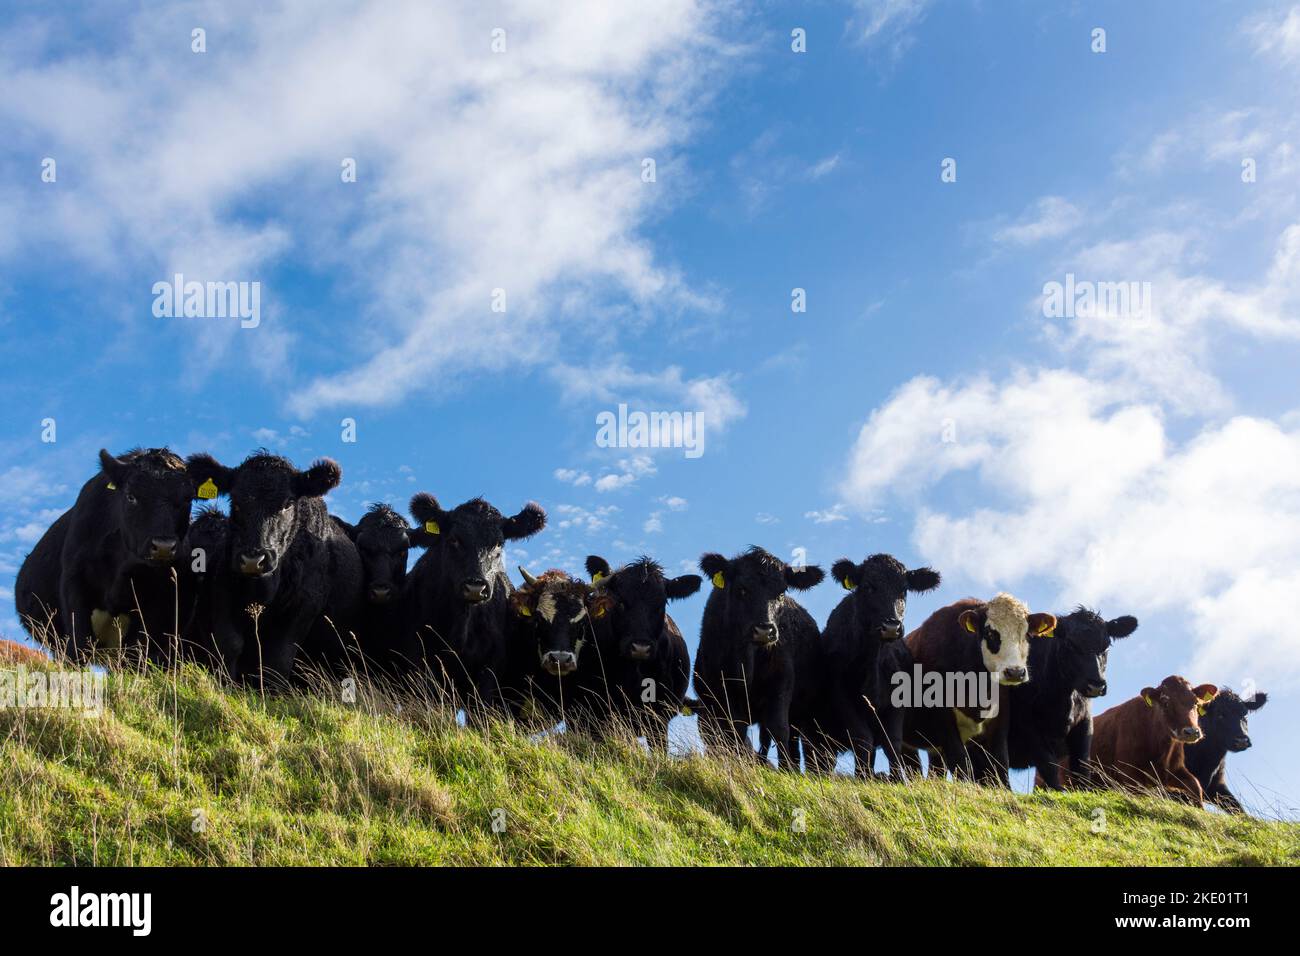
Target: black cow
{"x":1050,"y":717}
{"x":643,"y":665}
{"x":382,"y":537}
{"x":205,"y":569}
{"x":754,"y":643}
{"x":295,"y":578}
{"x":1226,"y":731}
{"x":456,"y":595}
{"x":550,"y":628}
{"x":36,"y":590}
{"x":851,"y":708}
{"x":116,"y":549}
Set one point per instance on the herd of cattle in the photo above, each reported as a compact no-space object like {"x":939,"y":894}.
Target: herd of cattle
{"x":279,"y":587}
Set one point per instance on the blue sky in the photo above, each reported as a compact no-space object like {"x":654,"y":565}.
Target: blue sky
{"x":923,"y":404}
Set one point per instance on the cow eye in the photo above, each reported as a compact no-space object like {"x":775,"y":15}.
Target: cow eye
{"x":131,"y":499}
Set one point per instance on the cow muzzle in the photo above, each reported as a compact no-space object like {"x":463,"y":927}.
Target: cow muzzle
{"x":764,"y":634}
{"x":1189,"y":735}
{"x":380,"y":594}
{"x":162,"y":550}
{"x":255,"y":564}
{"x":1011,"y":676}
{"x":475,"y":591}
{"x":559,"y":663}
{"x":1240,"y":744}
{"x":640,"y":651}
{"x":1092,"y":689}
{"x":890,"y":630}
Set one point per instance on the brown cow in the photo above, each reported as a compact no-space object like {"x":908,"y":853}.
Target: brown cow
{"x":1139,"y":743}
{"x":11,"y":652}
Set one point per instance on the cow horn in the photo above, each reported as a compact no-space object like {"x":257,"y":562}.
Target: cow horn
{"x":528,"y":578}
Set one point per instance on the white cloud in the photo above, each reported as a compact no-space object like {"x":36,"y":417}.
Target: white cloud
{"x":764,"y":518}
{"x":1049,"y":218}
{"x":828,"y":515}
{"x":588,"y":520}
{"x":541,"y":195}
{"x":824,"y":167}
{"x":1277,"y":35}
{"x":630,"y":471}
{"x":572,"y":476}
{"x":653,"y":524}
{"x":674,"y":502}
{"x":888,"y":22}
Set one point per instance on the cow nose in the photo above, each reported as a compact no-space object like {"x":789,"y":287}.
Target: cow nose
{"x":639,"y":651}
{"x":1190,"y":734}
{"x":891,"y":629}
{"x":474,"y":590}
{"x":765,"y":633}
{"x":560,"y":662}
{"x":162,"y":549}
{"x":1095,"y":689}
{"x":255,"y":563}
{"x":1014,"y":675}
{"x":380,"y":593}
{"x":1241,"y":743}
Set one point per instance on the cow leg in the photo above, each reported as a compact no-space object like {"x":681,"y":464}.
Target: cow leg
{"x":1182,"y":784}
{"x":1222,"y":797}
{"x":1049,"y":774}
{"x":1078,"y":745}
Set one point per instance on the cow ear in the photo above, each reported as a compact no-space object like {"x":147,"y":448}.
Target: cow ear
{"x":922,"y":579}
{"x":598,"y":603}
{"x":525,"y":524}
{"x":801,"y":579}
{"x":318,"y":480}
{"x":1149,"y":695}
{"x":211,"y":478}
{"x":1206,"y":693}
{"x":114,"y":469}
{"x":714,"y":567}
{"x":969,"y":620}
{"x":428,"y":516}
{"x":1258,"y":701}
{"x":1122,"y":626}
{"x":683,"y":586}
{"x":347,"y":527}
{"x":1042,"y":624}
{"x":522,"y":601}
{"x":597,"y":567}
{"x":419,"y":538}
{"x":846,"y":572}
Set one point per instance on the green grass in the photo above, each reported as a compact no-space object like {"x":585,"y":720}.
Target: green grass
{"x":303,"y":780}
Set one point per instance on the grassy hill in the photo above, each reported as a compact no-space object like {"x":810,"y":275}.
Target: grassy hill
{"x":179,"y":770}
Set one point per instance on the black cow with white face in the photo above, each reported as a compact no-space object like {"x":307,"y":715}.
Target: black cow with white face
{"x":549,"y":641}
{"x":383,"y":541}
{"x":113,"y":580}
{"x":295,"y":578}
{"x":643,"y":664}
{"x":852,"y":707}
{"x":755,"y":642}
{"x":1050,"y":718}
{"x":1224,"y":723}
{"x":456,"y":595}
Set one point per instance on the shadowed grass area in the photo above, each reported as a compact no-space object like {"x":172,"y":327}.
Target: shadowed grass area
{"x":180,"y":769}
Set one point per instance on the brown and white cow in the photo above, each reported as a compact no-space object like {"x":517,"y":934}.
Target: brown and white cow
{"x":964,"y":643}
{"x":1139,"y":743}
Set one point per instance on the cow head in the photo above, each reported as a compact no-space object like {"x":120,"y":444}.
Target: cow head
{"x":1003,"y":627}
{"x":382,"y":537}
{"x":466,"y":543}
{"x":1082,"y":641}
{"x":553,"y":610}
{"x":1177,"y":705}
{"x":750,"y":587}
{"x":1223,"y":720}
{"x":207,"y":538}
{"x":150,"y":491}
{"x":634,"y":600}
{"x":267,"y":495}
{"x":878,"y":587}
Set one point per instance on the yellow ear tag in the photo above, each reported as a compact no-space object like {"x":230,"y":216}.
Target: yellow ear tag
{"x":523,"y":609}
{"x":969,"y":626}
{"x":1200,"y":709}
{"x":112,"y":487}
{"x":597,"y":577}
{"x":718,"y":582}
{"x":1148,"y":700}
{"x":432,"y":527}
{"x":208,"y":489}
{"x":686,"y":711}
{"x":848,"y":586}
{"x":600,"y":611}
{"x":1050,"y":632}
